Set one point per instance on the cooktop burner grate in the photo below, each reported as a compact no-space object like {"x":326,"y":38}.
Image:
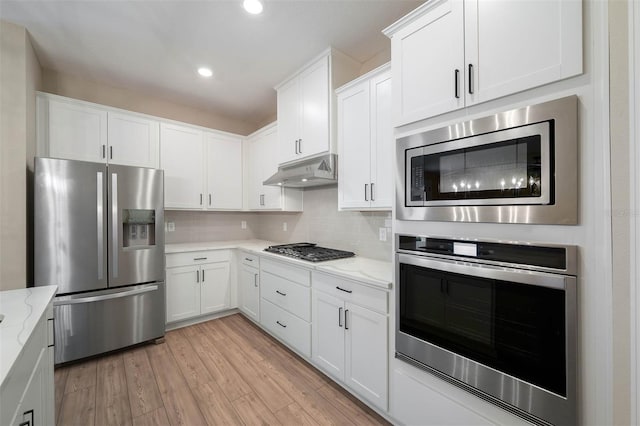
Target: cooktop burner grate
{"x":309,"y":252}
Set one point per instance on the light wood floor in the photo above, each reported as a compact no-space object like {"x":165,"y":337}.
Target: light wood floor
{"x":222,"y":372}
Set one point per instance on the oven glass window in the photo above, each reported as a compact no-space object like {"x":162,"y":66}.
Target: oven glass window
{"x":514,"y":328}
{"x":505,"y":169}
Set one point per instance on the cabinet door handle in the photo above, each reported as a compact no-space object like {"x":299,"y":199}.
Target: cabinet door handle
{"x":203,"y":276}
{"x":197,"y":276}
{"x":209,"y":199}
{"x":300,"y":146}
{"x":110,"y":153}
{"x":346,"y":312}
{"x":280,"y":293}
{"x":200,"y":199}
{"x":295,"y":146}
{"x":255,"y":280}
{"x":281,"y":324}
{"x":366,"y":190}
{"x":104,"y":155}
{"x":471,"y":79}
{"x":339,"y":317}
{"x":372,"y":193}
{"x":456,"y":79}
{"x":342,"y":289}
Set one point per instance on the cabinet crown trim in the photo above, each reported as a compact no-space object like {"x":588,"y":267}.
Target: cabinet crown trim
{"x":411,"y":16}
{"x":377,"y":71}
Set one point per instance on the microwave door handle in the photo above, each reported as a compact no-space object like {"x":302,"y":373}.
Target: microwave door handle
{"x":114,"y":222}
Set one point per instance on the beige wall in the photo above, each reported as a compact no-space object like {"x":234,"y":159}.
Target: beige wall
{"x":381,"y":58}
{"x":620,"y":151}
{"x":19,"y":78}
{"x":92,"y":91}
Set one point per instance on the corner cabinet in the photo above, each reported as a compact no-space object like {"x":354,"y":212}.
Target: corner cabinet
{"x":365,"y":142}
{"x":198,"y":283}
{"x":202,"y":169}
{"x":261,"y":163}
{"x":493,"y":49}
{"x":306,"y":106}
{"x":249,"y":286}
{"x":350,"y":335}
{"x":77,"y":130}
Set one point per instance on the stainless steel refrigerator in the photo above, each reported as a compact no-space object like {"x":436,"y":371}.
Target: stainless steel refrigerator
{"x":99,"y":236}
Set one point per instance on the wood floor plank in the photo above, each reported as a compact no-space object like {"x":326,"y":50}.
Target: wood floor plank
{"x":113,"y":410}
{"x":181,"y":407}
{"x":157,"y":417}
{"x":112,"y":397}
{"x":165,"y":369}
{"x":293,"y":414}
{"x":351,"y":407}
{"x":232,"y":336}
{"x":78,"y":408}
{"x":144,"y":395}
{"x":219,"y":367}
{"x":215,"y":407}
{"x":190,"y":364}
{"x":212,"y":331}
{"x":252,"y":411}
{"x":60,"y":379}
{"x":80,"y":376}
{"x":263,"y":385}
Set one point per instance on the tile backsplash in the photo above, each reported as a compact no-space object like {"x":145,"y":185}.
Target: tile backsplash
{"x":321,"y":223}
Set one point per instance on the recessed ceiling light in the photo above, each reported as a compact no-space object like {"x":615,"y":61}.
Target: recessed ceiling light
{"x":252,"y":6}
{"x":205,"y":72}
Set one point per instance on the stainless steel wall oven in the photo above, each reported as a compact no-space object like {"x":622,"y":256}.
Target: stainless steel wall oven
{"x":517,"y":166}
{"x":496,"y":318}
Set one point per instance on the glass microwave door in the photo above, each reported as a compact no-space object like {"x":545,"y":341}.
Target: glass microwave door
{"x":501,"y":168}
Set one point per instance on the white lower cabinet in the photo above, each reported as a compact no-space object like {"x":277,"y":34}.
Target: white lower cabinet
{"x":285,"y":303}
{"x":198,"y":283}
{"x":350,"y":339}
{"x":27,"y":396}
{"x":249,"y":286}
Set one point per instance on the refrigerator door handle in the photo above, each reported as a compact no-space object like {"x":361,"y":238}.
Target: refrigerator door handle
{"x":105,"y":297}
{"x":114,"y":222}
{"x":100,"y":218}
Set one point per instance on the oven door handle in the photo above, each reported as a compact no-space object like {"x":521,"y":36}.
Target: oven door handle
{"x":492,"y":272}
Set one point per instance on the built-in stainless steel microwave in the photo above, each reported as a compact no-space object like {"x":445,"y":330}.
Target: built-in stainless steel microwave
{"x":517,"y":166}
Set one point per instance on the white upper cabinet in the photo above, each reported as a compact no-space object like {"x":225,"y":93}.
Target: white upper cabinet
{"x":448,"y":54}
{"x":133,"y":141}
{"x":77,"y":130}
{"x":365,"y":142}
{"x":182,"y":159}
{"x":306,"y":106}
{"x":261,"y":162}
{"x":72,"y":130}
{"x":224,"y":172}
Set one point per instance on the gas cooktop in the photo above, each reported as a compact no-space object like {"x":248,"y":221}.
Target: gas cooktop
{"x":309,"y":252}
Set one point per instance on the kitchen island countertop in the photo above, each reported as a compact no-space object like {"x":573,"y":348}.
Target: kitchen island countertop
{"x":373,"y":272}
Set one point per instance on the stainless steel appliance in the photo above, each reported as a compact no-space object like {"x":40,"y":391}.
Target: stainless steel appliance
{"x":317,"y":171}
{"x":309,"y":252}
{"x":99,"y":236}
{"x":495,"y":318}
{"x":517,"y":166}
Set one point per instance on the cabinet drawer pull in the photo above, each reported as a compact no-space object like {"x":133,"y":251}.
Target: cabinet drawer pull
{"x":342,"y":289}
{"x":281,"y":324}
{"x":199,"y":258}
{"x":456,"y":78}
{"x":280,"y":293}
{"x":339,"y":317}
{"x":346,"y":312}
{"x":248,"y":260}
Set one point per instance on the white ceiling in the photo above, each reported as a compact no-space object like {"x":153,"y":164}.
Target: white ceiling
{"x":156,"y":46}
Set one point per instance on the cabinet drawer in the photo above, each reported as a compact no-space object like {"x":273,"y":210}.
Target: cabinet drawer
{"x":351,"y":291}
{"x":292,"y":273}
{"x":291,"y":329}
{"x":250,"y":259}
{"x":286,"y":294}
{"x":197,"y":257}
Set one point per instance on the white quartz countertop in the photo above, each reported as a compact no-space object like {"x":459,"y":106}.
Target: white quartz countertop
{"x":22,"y":310}
{"x":369,"y":271}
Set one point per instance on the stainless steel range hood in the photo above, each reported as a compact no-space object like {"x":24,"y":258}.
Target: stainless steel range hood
{"x":316,"y":171}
